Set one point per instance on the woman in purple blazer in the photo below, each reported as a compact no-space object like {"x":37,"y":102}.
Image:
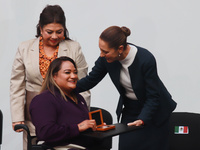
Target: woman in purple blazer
{"x":59,"y":113}
{"x":144,"y":100}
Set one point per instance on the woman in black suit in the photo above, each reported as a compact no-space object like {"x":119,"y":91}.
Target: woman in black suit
{"x":144,"y":100}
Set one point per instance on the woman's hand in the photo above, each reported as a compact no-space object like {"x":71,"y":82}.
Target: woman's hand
{"x":15,"y":123}
{"x":136,"y":123}
{"x":86,"y":124}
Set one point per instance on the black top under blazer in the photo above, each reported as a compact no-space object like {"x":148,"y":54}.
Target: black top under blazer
{"x":152,"y":94}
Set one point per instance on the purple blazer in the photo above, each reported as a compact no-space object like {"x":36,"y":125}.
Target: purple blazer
{"x":56,"y":120}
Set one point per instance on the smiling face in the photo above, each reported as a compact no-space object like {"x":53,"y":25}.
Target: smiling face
{"x":52,"y":34}
{"x":110,"y":54}
{"x":66,"y":78}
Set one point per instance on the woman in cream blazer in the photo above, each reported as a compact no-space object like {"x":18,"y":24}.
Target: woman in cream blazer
{"x":26,"y":79}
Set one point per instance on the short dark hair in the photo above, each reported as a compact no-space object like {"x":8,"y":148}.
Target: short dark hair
{"x":52,"y":14}
{"x":115,"y":36}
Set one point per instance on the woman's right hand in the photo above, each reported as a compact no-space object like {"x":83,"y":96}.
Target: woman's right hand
{"x":15,"y":123}
{"x":86,"y":124}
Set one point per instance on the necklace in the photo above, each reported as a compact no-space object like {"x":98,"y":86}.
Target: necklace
{"x":44,"y":60}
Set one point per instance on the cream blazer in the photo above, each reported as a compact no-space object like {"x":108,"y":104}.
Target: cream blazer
{"x":26,"y":77}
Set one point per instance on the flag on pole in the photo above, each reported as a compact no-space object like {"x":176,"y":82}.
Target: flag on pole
{"x":181,"y":130}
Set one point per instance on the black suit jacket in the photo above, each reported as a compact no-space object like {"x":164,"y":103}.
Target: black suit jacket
{"x":156,"y":101}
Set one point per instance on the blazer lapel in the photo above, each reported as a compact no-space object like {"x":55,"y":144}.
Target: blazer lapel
{"x":63,"y":49}
{"x":132,"y":69}
{"x":136,"y":76}
{"x":114,"y":71}
{"x":35,"y":59}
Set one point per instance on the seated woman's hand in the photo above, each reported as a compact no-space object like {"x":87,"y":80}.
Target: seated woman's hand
{"x":86,"y":124}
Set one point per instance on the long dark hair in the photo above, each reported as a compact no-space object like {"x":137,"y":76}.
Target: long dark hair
{"x":55,"y":66}
{"x":52,"y":14}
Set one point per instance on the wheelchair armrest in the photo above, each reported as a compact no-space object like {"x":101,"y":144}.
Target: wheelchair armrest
{"x":29,"y":138}
{"x":21,"y":126}
{"x":25,"y":127}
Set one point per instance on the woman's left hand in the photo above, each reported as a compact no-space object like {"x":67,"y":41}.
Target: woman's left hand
{"x":86,"y":124}
{"x":136,"y":123}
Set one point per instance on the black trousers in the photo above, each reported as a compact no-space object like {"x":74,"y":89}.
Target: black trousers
{"x":150,"y":137}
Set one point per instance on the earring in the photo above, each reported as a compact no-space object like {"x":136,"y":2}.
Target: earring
{"x":119,"y":54}
{"x":63,"y":38}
